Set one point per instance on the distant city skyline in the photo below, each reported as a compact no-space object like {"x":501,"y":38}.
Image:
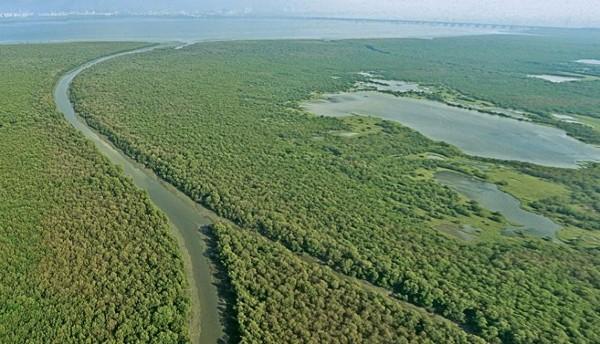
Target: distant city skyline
{"x":574,"y":13}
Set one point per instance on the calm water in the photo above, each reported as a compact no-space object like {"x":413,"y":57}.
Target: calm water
{"x":474,"y":132}
{"x":185,"y":215}
{"x":158,"y":29}
{"x":557,"y":79}
{"x":589,"y":61}
{"x":492,"y":198}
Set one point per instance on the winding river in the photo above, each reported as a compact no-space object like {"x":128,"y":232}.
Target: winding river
{"x":185,"y":215}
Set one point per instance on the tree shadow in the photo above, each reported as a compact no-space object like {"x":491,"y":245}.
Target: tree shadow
{"x":227,"y":296}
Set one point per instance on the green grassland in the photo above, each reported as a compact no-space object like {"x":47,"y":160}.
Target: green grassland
{"x":222,"y":122}
{"x":581,"y":207}
{"x":592,"y":122}
{"x":570,"y":197}
{"x":84,"y":256}
{"x":525,"y":187}
{"x":580,"y":237}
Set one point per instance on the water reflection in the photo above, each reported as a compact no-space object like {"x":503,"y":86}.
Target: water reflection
{"x":473,"y":132}
{"x":490,"y":197}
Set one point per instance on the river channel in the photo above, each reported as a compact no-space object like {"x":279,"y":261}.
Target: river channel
{"x":185,"y":215}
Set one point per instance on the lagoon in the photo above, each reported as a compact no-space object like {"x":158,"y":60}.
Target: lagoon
{"x":555,"y":79}
{"x":475,"y":133}
{"x":589,"y":61}
{"x":490,"y":197}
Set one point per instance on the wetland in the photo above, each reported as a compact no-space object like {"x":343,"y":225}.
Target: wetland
{"x":494,"y":199}
{"x":475,"y":133}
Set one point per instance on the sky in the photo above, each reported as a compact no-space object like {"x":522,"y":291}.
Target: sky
{"x":582,"y":13}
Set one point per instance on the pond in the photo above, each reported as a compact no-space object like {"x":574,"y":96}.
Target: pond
{"x":474,"y":132}
{"x":490,"y":197}
{"x":556,"y":79}
{"x":589,"y":61}
{"x":391,"y":86}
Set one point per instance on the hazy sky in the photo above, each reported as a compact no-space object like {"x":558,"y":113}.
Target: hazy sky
{"x":540,"y":12}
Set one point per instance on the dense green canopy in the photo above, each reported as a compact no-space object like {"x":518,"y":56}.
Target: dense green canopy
{"x":281,"y":298}
{"x":221,"y":121}
{"x":84,"y":256}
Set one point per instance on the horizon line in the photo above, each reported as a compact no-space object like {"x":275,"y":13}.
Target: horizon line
{"x":64,"y":14}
